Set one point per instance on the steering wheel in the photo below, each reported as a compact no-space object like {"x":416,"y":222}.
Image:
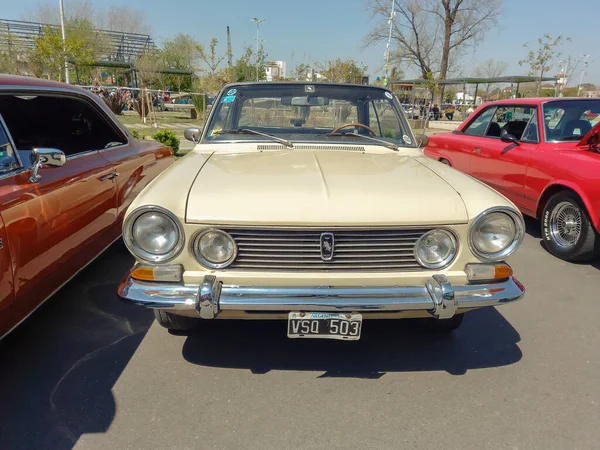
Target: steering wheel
{"x":354,"y":124}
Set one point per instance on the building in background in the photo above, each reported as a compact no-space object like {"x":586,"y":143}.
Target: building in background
{"x":275,"y":70}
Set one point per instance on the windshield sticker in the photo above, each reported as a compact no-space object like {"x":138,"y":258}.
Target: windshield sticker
{"x":228,"y":99}
{"x":232,"y":92}
{"x":388,"y":95}
{"x":405,"y":138}
{"x":309,"y":88}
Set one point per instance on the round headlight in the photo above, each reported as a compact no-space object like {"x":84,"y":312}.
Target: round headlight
{"x":214,"y":248}
{"x":435,"y":249}
{"x":153,"y":234}
{"x":496,"y":234}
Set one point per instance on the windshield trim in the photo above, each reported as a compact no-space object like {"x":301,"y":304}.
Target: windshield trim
{"x":395,"y":103}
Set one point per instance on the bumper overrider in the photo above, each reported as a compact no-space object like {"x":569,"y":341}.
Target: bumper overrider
{"x":437,"y":297}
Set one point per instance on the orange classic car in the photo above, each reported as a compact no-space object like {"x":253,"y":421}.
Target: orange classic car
{"x":68,"y":172}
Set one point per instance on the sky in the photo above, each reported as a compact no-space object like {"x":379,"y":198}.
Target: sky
{"x":312,"y":31}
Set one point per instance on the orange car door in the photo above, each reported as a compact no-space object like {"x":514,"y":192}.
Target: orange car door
{"x":6,"y":279}
{"x":58,"y":223}
{"x":6,"y":282}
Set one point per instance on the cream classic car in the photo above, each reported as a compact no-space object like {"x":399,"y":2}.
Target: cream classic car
{"x":313,"y":203}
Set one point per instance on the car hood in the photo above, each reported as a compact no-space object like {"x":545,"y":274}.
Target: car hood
{"x":591,"y":138}
{"x":335,"y":188}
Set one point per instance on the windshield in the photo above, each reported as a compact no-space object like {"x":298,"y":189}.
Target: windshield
{"x":570,"y":120}
{"x":308,"y":113}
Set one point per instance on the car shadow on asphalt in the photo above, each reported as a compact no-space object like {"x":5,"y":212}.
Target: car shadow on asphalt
{"x":485,"y":339}
{"x":59,"y":367}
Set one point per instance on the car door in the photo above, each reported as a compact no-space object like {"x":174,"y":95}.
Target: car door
{"x":57,"y":224}
{"x":464,"y":143}
{"x":136,"y":164}
{"x":503,"y":165}
{"x":7,"y":160}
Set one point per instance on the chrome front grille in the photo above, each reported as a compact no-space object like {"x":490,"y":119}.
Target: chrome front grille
{"x":354,"y":249}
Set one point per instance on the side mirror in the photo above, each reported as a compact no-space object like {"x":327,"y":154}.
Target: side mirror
{"x":509,"y":139}
{"x":422,"y":140}
{"x":41,"y":157}
{"x":192,"y":134}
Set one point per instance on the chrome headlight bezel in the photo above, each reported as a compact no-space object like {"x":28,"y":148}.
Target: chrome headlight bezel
{"x":201,"y":259}
{"x":519,"y":223}
{"x":446,"y":261}
{"x":140,"y":253}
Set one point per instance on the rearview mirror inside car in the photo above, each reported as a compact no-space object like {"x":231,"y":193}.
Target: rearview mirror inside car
{"x":305,"y":101}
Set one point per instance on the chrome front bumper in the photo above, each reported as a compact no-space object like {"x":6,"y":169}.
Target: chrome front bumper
{"x":438,"y":297}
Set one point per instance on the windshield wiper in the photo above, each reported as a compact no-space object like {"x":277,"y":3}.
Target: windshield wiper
{"x":285,"y":142}
{"x":385,"y":143}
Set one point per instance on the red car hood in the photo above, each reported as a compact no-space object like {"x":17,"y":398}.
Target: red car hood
{"x":592,"y":138}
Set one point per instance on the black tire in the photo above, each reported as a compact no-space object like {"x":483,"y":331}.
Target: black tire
{"x":174,"y":322}
{"x":576,"y":225}
{"x":445,"y":325}
{"x":445,"y":161}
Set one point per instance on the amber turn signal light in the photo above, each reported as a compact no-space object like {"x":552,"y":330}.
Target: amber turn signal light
{"x":488,"y":272}
{"x":172,"y":272}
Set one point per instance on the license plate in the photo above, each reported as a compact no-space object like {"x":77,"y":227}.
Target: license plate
{"x":324,"y":326}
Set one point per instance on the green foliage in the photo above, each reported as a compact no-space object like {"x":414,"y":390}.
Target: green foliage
{"x":180,"y":53}
{"x":301,"y":72}
{"x":136,"y":134}
{"x":200,"y":102}
{"x":167,"y":137}
{"x":540,"y":59}
{"x":48,"y":55}
{"x":342,"y":71}
{"x":245,"y":66}
{"x":116,"y":101}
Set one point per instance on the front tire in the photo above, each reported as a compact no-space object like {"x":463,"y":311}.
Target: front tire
{"x":567,"y":230}
{"x":174,"y":322}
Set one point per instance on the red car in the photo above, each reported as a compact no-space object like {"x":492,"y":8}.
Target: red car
{"x":541,"y":153}
{"x":68,"y":172}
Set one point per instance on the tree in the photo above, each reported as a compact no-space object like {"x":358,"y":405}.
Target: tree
{"x":490,"y":69}
{"x":301,"y":72}
{"x":181,"y":53}
{"x":540,"y":59}
{"x":245,"y":67}
{"x":342,"y":71}
{"x":210,"y":58}
{"x":429,"y":34}
{"x":148,"y":66}
{"x":115,"y":18}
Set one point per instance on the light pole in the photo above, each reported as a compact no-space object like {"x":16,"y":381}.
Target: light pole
{"x":64,"y":38}
{"x":258,"y":22}
{"x":585,"y":57}
{"x":387,"y":47}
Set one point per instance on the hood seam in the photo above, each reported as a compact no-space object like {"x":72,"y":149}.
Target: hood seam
{"x":187,"y":197}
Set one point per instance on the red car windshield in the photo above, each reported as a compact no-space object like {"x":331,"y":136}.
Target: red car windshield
{"x":570,"y":120}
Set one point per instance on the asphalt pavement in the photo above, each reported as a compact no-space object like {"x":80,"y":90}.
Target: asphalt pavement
{"x":88,"y":371}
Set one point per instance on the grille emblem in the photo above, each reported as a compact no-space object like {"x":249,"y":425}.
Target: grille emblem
{"x":327,"y":242}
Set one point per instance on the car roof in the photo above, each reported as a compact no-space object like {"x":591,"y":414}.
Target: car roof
{"x":534,"y":100}
{"x":301,"y":83}
{"x":32,"y":82}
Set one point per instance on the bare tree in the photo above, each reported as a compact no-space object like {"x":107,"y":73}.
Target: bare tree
{"x":540,"y":59}
{"x":429,"y":33}
{"x":115,"y":18}
{"x":124,"y":18}
{"x":490,"y":69}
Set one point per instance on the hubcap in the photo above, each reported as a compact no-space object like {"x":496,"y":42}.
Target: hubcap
{"x":565,"y":224}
